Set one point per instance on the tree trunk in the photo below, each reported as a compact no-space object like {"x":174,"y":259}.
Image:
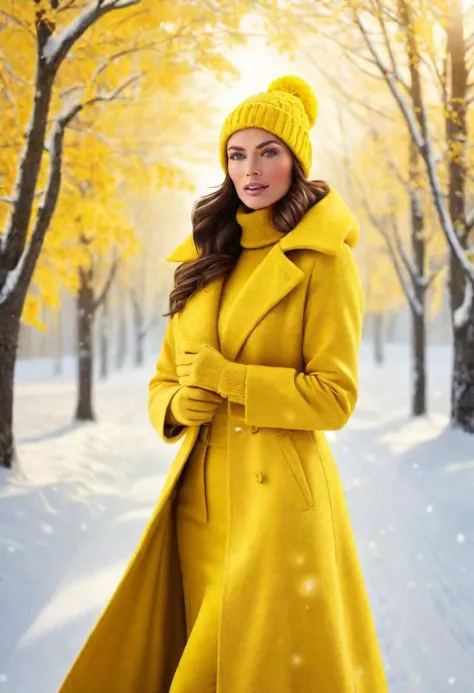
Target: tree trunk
{"x":391,"y":325}
{"x":379,"y":355}
{"x":462,"y":390}
{"x":139,"y":350}
{"x":58,"y":356}
{"x":85,"y":316}
{"x":138,"y":326}
{"x":418,"y":364}
{"x":419,"y":289}
{"x":104,"y":339}
{"x":463,"y":371}
{"x":122,"y":330}
{"x":10,"y":324}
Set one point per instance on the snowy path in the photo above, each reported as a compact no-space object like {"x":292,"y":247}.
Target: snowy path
{"x":69,"y":526}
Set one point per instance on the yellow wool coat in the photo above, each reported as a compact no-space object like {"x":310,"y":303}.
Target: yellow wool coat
{"x":294,"y":615}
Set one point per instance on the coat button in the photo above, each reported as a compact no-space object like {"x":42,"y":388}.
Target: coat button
{"x":253,"y":429}
{"x":258,"y":476}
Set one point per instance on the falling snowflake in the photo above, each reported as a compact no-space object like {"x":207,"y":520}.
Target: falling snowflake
{"x":297,"y":560}
{"x":461,"y":538}
{"x":452,"y":681}
{"x":429,"y":508}
{"x":308,"y":586}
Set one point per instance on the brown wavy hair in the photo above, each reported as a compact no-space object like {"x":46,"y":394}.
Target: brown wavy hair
{"x":217,"y":234}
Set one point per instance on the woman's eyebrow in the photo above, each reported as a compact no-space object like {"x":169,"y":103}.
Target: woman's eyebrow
{"x":259,"y":146}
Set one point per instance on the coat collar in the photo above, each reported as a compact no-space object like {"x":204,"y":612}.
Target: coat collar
{"x":324,"y":229}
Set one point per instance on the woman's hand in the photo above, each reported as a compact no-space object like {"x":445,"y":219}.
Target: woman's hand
{"x":200,"y":366}
{"x":192,"y":406}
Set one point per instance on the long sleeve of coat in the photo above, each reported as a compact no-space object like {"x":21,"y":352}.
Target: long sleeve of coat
{"x":163,"y":386}
{"x":324,"y":394}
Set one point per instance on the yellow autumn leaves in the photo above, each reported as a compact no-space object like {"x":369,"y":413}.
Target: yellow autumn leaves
{"x":132,"y":72}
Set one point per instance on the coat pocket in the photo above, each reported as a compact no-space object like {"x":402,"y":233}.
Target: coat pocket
{"x":192,"y":501}
{"x":292,"y":458}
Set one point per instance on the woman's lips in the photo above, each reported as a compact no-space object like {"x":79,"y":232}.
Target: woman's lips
{"x":254,"y":191}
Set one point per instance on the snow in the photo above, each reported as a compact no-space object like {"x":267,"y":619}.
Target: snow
{"x":72,"y":514}
{"x":56,"y":43}
{"x":461,"y":315}
{"x":13,"y":276}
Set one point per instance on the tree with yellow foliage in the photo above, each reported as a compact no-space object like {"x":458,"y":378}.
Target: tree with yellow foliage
{"x":63,"y":61}
{"x":420,"y":52}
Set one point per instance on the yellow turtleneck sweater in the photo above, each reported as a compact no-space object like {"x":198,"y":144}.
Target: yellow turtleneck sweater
{"x":258,"y":237}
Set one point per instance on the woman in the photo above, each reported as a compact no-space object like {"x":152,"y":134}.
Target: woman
{"x":247,"y":579}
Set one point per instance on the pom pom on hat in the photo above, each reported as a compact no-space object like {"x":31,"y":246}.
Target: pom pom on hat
{"x":291,"y":84}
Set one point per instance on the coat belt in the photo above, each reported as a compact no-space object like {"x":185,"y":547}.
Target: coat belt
{"x":215,"y":433}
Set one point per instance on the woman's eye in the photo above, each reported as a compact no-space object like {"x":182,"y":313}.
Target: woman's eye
{"x":236,"y":156}
{"x":271,"y":152}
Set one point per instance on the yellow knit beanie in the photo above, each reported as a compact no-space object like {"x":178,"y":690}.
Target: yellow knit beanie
{"x":288,"y":109}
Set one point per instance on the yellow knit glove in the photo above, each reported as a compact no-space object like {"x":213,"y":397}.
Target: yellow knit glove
{"x":192,"y":406}
{"x":203,"y":366}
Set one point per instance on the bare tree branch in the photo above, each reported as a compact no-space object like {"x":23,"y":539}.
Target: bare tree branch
{"x":57,"y":47}
{"x":17,"y":21}
{"x":409,"y":265}
{"x":434,"y":274}
{"x":415,"y":305}
{"x":349,"y":97}
{"x":423,"y":142}
{"x":106,"y":288}
{"x":388,"y":45}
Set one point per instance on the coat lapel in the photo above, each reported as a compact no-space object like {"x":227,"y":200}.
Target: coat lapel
{"x":198,"y":320}
{"x":270,"y":282}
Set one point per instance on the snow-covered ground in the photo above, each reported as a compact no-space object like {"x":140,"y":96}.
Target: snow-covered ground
{"x":71,"y":517}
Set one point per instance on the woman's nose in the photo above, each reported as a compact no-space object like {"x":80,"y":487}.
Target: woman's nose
{"x":253,"y":169}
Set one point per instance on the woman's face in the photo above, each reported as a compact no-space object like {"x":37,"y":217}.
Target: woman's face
{"x":260,"y":166}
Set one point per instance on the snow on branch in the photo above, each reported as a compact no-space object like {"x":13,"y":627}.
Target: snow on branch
{"x":423,"y":141}
{"x":463,"y":313}
{"x":13,"y":277}
{"x":57,"y":47}
{"x":402,"y":101}
{"x":25,"y":267}
{"x":415,"y":304}
{"x":410,"y":295}
{"x":470,"y":221}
